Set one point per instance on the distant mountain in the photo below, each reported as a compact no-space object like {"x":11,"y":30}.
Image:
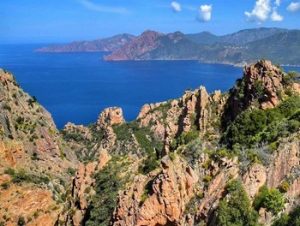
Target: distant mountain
{"x":250,"y":35}
{"x":203,"y":38}
{"x":282,"y":48}
{"x":100,"y":45}
{"x":152,"y":45}
{"x":245,"y":46}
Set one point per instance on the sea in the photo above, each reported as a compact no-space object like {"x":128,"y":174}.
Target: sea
{"x":76,"y":87}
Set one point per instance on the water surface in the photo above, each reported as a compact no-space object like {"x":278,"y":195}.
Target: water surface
{"x":76,"y":87}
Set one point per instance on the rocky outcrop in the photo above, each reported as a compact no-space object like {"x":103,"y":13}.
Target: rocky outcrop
{"x":195,"y":110}
{"x":222,"y":172}
{"x":160,"y":201}
{"x":269,"y":77}
{"x":262,"y":83}
{"x":83,"y":184}
{"x":32,"y":150}
{"x":35,"y":205}
{"x":84,"y":132}
{"x":254,"y":179}
{"x":82,"y":188}
{"x":285,"y":161}
{"x":110,"y":117}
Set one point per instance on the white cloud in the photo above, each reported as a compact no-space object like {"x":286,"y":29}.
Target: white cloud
{"x":102,"y":8}
{"x":205,"y":12}
{"x":275,"y":16}
{"x":261,"y":11}
{"x":277,"y":2}
{"x":176,"y":7}
{"x":294,"y":7}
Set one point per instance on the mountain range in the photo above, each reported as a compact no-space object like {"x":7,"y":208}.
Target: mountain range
{"x":99,"y":45}
{"x":282,"y":46}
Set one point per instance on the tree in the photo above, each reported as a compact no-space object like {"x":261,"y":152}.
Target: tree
{"x":235,"y":209}
{"x":271,"y":199}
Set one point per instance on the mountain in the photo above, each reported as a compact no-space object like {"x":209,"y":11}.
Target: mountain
{"x":283,"y":48}
{"x":154,"y":45}
{"x":202,"y":159}
{"x":238,"y":38}
{"x":203,"y":38}
{"x":280,"y":45}
{"x":245,"y":46}
{"x":250,"y":35}
{"x":100,"y":45}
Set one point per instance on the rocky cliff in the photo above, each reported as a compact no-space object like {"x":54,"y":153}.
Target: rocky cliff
{"x":202,"y":159}
{"x":35,"y":161}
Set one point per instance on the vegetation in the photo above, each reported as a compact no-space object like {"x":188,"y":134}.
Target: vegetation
{"x":149,"y":145}
{"x":271,"y":199}
{"x":292,"y":219}
{"x":109,"y":182}
{"x":235,"y":208}
{"x":73,"y":136}
{"x":184,"y":138}
{"x":23,"y":176}
{"x":264,"y":126}
{"x":21,"y":221}
{"x":290,"y":77}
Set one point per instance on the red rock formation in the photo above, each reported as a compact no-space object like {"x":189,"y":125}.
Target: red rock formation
{"x":110,"y":117}
{"x":144,"y":43}
{"x":164,"y":204}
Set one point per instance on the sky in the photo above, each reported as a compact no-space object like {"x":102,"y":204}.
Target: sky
{"x":59,"y":21}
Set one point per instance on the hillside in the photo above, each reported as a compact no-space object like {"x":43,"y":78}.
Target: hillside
{"x":100,"y":45}
{"x":35,"y":162}
{"x":239,"y":48}
{"x":238,"y":38}
{"x":202,"y":159}
{"x":247,"y":46}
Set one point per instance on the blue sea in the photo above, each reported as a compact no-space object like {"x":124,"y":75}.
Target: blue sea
{"x":76,"y":87}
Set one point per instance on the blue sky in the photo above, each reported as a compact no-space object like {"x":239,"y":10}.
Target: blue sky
{"x":37,"y":21}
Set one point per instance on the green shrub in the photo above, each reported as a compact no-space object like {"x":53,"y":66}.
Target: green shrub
{"x":235,"y":208}
{"x":290,"y":77}
{"x":108,"y":183}
{"x":187,"y":137}
{"x":264,"y":126}
{"x":10,"y":171}
{"x":271,"y":199}
{"x":71,"y":171}
{"x":284,"y":186}
{"x":184,"y":138}
{"x":5,"y":185}
{"x":292,"y":219}
{"x":148,"y":165}
{"x":21,"y":176}
{"x":207,"y":179}
{"x":6,"y":107}
{"x":122,"y":131}
{"x":34,"y":156}
{"x":21,"y":221}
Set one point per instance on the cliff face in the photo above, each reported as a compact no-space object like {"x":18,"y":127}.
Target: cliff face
{"x":168,"y":167}
{"x":34,"y":159}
